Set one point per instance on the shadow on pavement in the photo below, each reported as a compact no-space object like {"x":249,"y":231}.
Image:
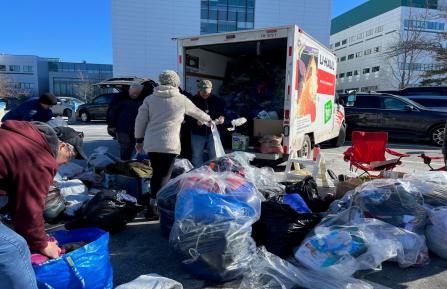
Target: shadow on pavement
{"x":140,"y":249}
{"x":394,"y":277}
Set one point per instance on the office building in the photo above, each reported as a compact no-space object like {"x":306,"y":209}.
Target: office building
{"x":144,"y":32}
{"x":362,"y":36}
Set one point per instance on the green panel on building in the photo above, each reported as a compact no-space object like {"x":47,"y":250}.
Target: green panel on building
{"x":373,"y":8}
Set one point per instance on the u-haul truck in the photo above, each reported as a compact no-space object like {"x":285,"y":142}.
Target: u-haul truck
{"x":304,"y":70}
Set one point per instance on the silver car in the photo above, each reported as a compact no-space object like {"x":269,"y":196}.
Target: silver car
{"x":66,"y":106}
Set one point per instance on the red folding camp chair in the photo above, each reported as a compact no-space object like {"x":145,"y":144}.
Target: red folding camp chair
{"x":368,"y":152}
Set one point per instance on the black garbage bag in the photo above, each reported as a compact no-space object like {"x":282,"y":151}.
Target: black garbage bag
{"x":281,"y":228}
{"x":308,"y":190}
{"x":108,"y":210}
{"x":54,"y":204}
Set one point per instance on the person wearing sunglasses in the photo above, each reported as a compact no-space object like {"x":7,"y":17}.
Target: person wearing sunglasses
{"x":29,"y":156}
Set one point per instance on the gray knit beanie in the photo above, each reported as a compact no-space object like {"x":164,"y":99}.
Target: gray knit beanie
{"x":169,"y":77}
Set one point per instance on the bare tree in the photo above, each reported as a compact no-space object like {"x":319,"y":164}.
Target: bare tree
{"x":84,"y":89}
{"x":437,"y":75}
{"x":410,"y":46}
{"x":9,"y":89}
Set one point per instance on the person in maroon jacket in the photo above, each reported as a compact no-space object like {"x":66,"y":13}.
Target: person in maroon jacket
{"x":29,"y":156}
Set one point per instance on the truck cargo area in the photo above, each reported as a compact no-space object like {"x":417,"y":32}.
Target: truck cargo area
{"x":249,"y":77}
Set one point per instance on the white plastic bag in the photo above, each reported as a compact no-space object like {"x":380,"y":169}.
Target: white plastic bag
{"x":100,"y":158}
{"x":220,"y":152}
{"x":70,"y":170}
{"x":436,"y":231}
{"x":75,"y":194}
{"x":151,"y":281}
{"x":57,"y":121}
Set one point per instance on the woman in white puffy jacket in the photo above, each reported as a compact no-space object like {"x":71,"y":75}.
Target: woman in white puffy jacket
{"x":157,"y":130}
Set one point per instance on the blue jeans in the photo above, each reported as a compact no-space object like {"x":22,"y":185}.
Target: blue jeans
{"x":198,"y":144}
{"x":16,"y":271}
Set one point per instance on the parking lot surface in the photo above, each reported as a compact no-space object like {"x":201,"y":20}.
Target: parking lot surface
{"x":140,"y":248}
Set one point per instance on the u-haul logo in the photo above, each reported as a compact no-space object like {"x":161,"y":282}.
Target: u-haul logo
{"x":326,"y":63}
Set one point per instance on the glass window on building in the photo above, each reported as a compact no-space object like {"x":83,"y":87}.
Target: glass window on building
{"x":344,"y":42}
{"x":337,"y":44}
{"x":349,"y":73}
{"x":375,"y":69}
{"x":350,"y":56}
{"x":366,"y":70}
{"x":341,"y":75}
{"x":367,"y":51}
{"x":14,"y":68}
{"x":359,"y":54}
{"x":343,"y":58}
{"x":377,"y":49}
{"x":226,"y":15}
{"x":356,"y":72}
{"x":2,"y":67}
{"x":27,"y":68}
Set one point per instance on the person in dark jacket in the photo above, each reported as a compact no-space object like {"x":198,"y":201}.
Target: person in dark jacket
{"x":33,"y":109}
{"x":122,"y":120}
{"x":29,"y":156}
{"x":201,"y":136}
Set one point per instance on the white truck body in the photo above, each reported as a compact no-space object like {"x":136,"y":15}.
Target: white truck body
{"x":310,"y":75}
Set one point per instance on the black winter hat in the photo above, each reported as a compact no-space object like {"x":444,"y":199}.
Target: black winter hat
{"x":48,"y":98}
{"x":61,"y":133}
{"x":69,"y":135}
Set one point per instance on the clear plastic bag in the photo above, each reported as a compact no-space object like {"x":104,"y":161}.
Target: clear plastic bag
{"x":345,"y":243}
{"x":151,"y":281}
{"x":212,"y":229}
{"x":220,"y":152}
{"x":268,"y":271}
{"x":57,"y":121}
{"x":432,"y":186}
{"x":100,"y":158}
{"x":436,"y":231}
{"x":397,"y":202}
{"x":181,"y":166}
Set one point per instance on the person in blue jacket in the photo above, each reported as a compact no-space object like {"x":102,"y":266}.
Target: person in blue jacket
{"x":33,"y":109}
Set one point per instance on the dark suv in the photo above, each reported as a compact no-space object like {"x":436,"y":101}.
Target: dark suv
{"x":430,"y":97}
{"x":397,"y":115}
{"x":97,"y":109}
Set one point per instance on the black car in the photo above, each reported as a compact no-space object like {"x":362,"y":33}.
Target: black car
{"x":428,"y":96}
{"x":97,"y":109}
{"x":397,"y":115}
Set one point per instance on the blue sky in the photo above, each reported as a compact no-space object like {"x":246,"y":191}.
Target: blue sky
{"x":73,"y":30}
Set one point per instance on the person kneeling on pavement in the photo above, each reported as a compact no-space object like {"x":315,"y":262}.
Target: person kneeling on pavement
{"x":29,"y":156}
{"x":157,"y":130}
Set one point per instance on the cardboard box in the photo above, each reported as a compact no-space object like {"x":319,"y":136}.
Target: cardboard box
{"x":263,"y":127}
{"x":239,"y":142}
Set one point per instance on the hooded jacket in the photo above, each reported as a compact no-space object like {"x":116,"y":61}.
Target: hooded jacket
{"x":160,"y":117}
{"x":27,"y":168}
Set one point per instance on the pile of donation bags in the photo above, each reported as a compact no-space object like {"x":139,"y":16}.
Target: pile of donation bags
{"x":381,"y":220}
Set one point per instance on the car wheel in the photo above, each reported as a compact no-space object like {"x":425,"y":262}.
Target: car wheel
{"x":306,"y":149}
{"x":67,"y":112}
{"x":85,"y":117}
{"x":340,"y":140}
{"x":437,"y":135}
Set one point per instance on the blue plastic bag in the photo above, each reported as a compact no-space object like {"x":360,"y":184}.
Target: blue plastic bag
{"x":88,"y":267}
{"x":297,"y":203}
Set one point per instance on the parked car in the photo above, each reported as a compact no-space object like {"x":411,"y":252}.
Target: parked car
{"x":66,"y":106}
{"x":397,"y":115}
{"x":97,"y":109}
{"x":430,"y":97}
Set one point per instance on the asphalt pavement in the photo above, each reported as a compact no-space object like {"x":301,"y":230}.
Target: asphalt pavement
{"x":140,"y":248}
